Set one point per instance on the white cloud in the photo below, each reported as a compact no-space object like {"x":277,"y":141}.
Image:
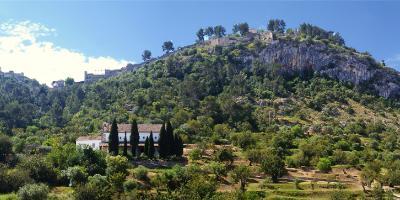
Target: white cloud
{"x":22,"y":50}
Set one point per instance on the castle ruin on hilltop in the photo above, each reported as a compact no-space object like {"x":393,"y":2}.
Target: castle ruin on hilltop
{"x":91,"y":77}
{"x":12,"y":74}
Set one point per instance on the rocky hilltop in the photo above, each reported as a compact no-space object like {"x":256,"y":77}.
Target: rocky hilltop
{"x":340,"y":64}
{"x":335,"y":61}
{"x":298,"y":55}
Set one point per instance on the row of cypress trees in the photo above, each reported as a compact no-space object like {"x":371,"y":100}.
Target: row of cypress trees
{"x":170,"y":144}
{"x":149,"y":148}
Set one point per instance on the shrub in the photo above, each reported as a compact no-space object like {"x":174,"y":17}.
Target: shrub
{"x":199,"y":187}
{"x":324,"y":164}
{"x":130,"y":185}
{"x":117,"y":181}
{"x":97,"y":188}
{"x":12,"y":180}
{"x":195,"y":154}
{"x":84,"y":192}
{"x":76,"y":175}
{"x":39,"y":169}
{"x":244,"y":140}
{"x":141,"y":173}
{"x":224,"y":155}
{"x":33,"y":192}
{"x":340,"y":194}
{"x":218,"y":169}
{"x":297,"y":184}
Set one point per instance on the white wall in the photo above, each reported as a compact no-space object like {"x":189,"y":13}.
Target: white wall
{"x":94,"y":144}
{"x":142,"y":136}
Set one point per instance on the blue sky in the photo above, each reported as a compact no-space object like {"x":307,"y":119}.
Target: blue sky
{"x":109,"y":34}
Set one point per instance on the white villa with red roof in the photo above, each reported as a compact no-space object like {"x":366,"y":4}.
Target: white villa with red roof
{"x":101,"y":141}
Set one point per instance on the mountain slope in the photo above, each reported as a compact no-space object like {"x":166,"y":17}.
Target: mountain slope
{"x":251,"y":82}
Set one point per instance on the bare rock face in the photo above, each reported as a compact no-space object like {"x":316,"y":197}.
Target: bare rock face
{"x":350,"y":67}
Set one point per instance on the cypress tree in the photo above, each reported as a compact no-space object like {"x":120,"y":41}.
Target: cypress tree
{"x":174,"y":147}
{"x":178,"y":146}
{"x":113,"y":141}
{"x":179,"y":152}
{"x":125,"y":152}
{"x":151,"y":148}
{"x":162,"y":145}
{"x":146,"y":147}
{"x":134,"y":138}
{"x":169,"y":139}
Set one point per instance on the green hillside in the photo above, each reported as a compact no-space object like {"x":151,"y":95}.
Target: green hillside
{"x":337,"y":111}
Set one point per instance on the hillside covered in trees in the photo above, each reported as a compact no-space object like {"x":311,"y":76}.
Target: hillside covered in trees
{"x":302,"y":95}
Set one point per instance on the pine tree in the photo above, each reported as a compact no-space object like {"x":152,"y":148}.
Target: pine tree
{"x":169,"y":139}
{"x":113,"y":141}
{"x":162,"y":145}
{"x":146,"y":147}
{"x":134,"y":138}
{"x":125,"y":152}
{"x":151,"y":149}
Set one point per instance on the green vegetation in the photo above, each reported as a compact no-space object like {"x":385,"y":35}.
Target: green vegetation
{"x":251,"y":129}
{"x":33,"y":192}
{"x":146,"y":55}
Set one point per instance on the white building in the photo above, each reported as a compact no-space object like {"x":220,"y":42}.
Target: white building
{"x":89,"y":141}
{"x":101,"y":142}
{"x":144,"y":132}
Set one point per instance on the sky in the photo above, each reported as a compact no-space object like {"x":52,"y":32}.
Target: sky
{"x":52,"y":40}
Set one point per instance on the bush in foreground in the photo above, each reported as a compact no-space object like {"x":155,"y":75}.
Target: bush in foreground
{"x":33,"y":192}
{"x":324,"y":165}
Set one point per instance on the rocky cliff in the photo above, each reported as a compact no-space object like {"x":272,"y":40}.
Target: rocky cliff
{"x":339,"y":63}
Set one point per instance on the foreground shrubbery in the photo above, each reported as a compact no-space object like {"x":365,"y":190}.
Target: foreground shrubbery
{"x":33,"y":192}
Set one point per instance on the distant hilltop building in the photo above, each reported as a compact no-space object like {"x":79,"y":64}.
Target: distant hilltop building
{"x":90,"y":78}
{"x":101,"y":141}
{"x":58,"y":84}
{"x":12,"y":74}
{"x":266,"y":36}
{"x":108,"y":73}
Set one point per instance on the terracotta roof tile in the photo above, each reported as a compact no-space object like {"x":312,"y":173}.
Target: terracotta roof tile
{"x":127,"y":128}
{"x":90,"y":137}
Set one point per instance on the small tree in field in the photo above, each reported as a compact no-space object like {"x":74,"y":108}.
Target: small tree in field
{"x":273,"y":165}
{"x":324,"y":164}
{"x":117,"y":171}
{"x":224,"y":155}
{"x":241,"y":174}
